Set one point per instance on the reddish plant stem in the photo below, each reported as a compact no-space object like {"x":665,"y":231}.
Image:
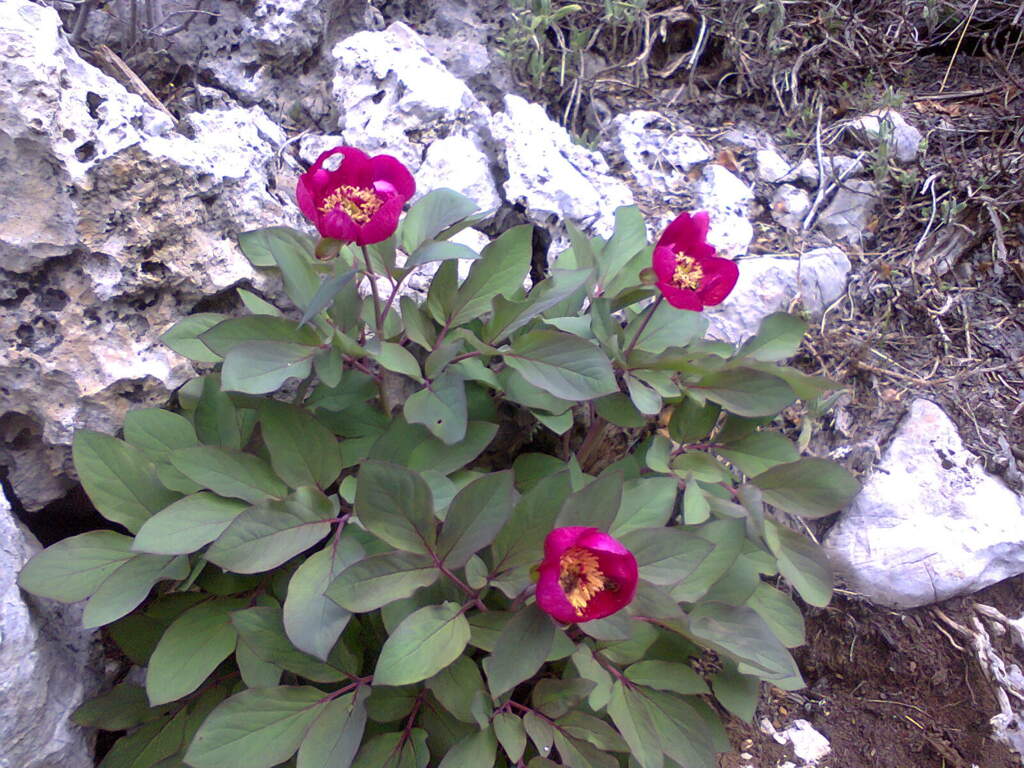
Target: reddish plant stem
{"x":643,"y":325}
{"x":371,"y":276}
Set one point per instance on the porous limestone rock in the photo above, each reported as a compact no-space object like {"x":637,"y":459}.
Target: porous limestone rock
{"x":727,"y":198}
{"x":848,"y":215}
{"x":458,"y":163}
{"x":774,"y":168}
{"x":550,"y":175}
{"x":48,"y":666}
{"x":769,"y":284}
{"x":658,"y":153}
{"x":889,"y":127}
{"x":146,"y":231}
{"x":393,"y":96}
{"x":790,"y":205}
{"x":929,"y":523}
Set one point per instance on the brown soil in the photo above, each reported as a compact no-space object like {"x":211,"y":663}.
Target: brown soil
{"x":889,"y":689}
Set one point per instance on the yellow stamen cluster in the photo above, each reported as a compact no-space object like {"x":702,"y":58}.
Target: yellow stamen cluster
{"x":688,"y":274}
{"x":580,"y":577}
{"x":360,"y":204}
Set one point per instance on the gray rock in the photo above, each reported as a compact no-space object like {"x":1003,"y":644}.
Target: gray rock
{"x":550,"y":174}
{"x":139,"y":232}
{"x":889,"y":127}
{"x":930,"y":523}
{"x":768,"y":284}
{"x":48,"y":666}
{"x":790,"y":205}
{"x":727,"y":198}
{"x":392,"y":95}
{"x":458,"y":162}
{"x":658,"y":153}
{"x":848,"y":215}
{"x":774,"y":168}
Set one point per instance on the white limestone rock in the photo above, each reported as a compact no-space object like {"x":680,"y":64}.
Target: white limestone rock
{"x":393,"y":96}
{"x":849,"y":213}
{"x":768,"y":284}
{"x":48,"y":666}
{"x":658,"y":153}
{"x":773,"y":168}
{"x":930,"y":523}
{"x":727,"y":198}
{"x":552,"y":176}
{"x":790,"y":205}
{"x":459,"y":163}
{"x":889,"y":127}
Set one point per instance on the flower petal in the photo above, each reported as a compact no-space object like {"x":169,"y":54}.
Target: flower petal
{"x":560,"y":539}
{"x":387,"y":168}
{"x":720,"y":276}
{"x":550,"y":595}
{"x":663,"y":260}
{"x":383,"y":223}
{"x":601,"y":542}
{"x":339,"y":225}
{"x":681,"y":298}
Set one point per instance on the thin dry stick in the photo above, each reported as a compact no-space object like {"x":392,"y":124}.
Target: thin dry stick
{"x":956,"y":50}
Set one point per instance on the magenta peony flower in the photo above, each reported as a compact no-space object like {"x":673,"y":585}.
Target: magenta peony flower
{"x":360,"y":201}
{"x":689,"y":274}
{"x":585,"y":575}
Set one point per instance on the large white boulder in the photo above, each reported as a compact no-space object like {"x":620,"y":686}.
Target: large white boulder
{"x":48,"y":666}
{"x":929,"y":523}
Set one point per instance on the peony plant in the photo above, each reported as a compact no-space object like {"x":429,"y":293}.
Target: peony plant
{"x":497,"y":527}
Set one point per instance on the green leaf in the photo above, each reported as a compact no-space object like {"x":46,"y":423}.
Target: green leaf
{"x":630,"y":715}
{"x":157,"y":432}
{"x":646,"y":503}
{"x":228,"y":334}
{"x":257,"y":728}
{"x":312,"y":620}
{"x":595,"y":505}
{"x":455,"y":687}
{"x":696,"y":508}
{"x":521,"y":541}
{"x":778,"y":338}
{"x":629,"y":238}
{"x":395,"y":750}
{"x":669,"y":327}
{"x":666,"y":556}
{"x":702,"y":466}
{"x":737,"y":693}
{"x":258,"y":367}
{"x":502,"y":266}
{"x":760,"y":451}
{"x":780,"y":613}
{"x":432,"y":214}
{"x":746,"y":391}
{"x":302,"y":451}
{"x":119,"y":480}
{"x":124,"y":589}
{"x":262,"y":629}
{"x":440,"y":251}
{"x":190,"y":649}
{"x":432,"y":454}
{"x":810,"y":487}
{"x":333,"y":739}
{"x":580,"y":725}
{"x":296,"y":264}
{"x":73,"y":568}
{"x":803,"y":563}
{"x":667,"y":676}
{"x":619,"y":410}
{"x":476,"y":515}
{"x":419,"y":328}
{"x":216,"y":419}
{"x":440,"y":407}
{"x":183,"y":337}
{"x":691,"y":421}
{"x":541,"y":733}
{"x":326,"y":293}
{"x":256,"y":304}
{"x":426,"y":641}
{"x":474,"y":751}
{"x":511,"y":734}
{"x":229,"y":473}
{"x":256,"y":244}
{"x":741,"y":634}
{"x":685,"y":738}
{"x":727,"y":536}
{"x":255,"y":672}
{"x":397,"y":358}
{"x":561,"y":364}
{"x":443,"y":288}
{"x":187,"y":525}
{"x":591,"y":670}
{"x":271,"y":532}
{"x":643,"y":396}
{"x":395,"y":504}
{"x":378,"y":580}
{"x":151,"y":744}
{"x":510,"y":316}
{"x":122,"y":707}
{"x":521,"y":649}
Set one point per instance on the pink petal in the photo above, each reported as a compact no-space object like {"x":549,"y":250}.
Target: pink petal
{"x":663,"y":260}
{"x":681,"y":298}
{"x":560,"y":539}
{"x":685,"y":231}
{"x":387,"y":168}
{"x":383,"y":224}
{"x":720,"y":276}
{"x":339,"y":225}
{"x":356,"y":169}
{"x":550,"y":595}
{"x":601,"y":542}
{"x":305,"y":198}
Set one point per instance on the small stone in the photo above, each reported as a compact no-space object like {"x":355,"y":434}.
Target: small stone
{"x":789,"y":206}
{"x":659,"y":154}
{"x":727,"y":198}
{"x":808,"y":745}
{"x":848,"y":215}
{"x":773,"y":168}
{"x":929,"y":523}
{"x":889,"y":126}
